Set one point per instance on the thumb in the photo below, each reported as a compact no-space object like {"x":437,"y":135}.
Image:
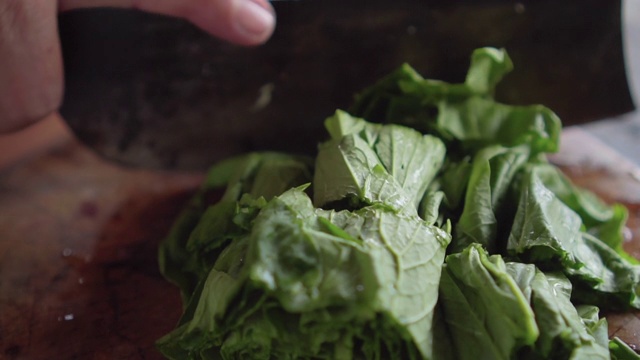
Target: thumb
{"x":245,"y":22}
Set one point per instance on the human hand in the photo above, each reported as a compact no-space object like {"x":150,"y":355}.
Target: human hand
{"x":31,"y":79}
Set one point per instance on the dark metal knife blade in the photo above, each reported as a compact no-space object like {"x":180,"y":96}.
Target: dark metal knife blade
{"x":153,"y":91}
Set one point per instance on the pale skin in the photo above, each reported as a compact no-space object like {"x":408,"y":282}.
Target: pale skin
{"x":31,"y":78}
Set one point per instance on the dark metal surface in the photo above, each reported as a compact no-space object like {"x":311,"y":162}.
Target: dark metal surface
{"x":153,"y":91}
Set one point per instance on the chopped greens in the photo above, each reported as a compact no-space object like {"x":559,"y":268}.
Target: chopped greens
{"x":428,"y":226}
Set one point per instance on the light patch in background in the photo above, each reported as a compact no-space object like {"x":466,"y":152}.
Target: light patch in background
{"x":622,"y":133}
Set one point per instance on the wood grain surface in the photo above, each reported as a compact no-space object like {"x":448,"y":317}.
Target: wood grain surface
{"x":78,"y":269}
{"x":78,"y":237}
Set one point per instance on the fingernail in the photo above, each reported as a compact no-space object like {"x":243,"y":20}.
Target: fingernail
{"x":254,"y":18}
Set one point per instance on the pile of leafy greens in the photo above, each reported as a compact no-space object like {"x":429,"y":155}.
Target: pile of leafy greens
{"x":435,"y":229}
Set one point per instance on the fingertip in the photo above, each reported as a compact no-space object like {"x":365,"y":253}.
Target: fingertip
{"x":254,"y":21}
{"x":243,"y":22}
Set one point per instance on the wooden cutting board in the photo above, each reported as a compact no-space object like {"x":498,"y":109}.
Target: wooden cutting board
{"x":78,"y":237}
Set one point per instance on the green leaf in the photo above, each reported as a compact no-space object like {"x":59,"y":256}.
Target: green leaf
{"x":186,"y":255}
{"x":621,"y":351}
{"x":488,"y":67}
{"x":454,"y":180}
{"x":601,"y":220}
{"x":596,"y":326}
{"x":389,"y":165}
{"x":311,"y":283}
{"x":408,"y":255}
{"x":303,"y":267}
{"x":464,"y":112}
{"x":563,"y":333}
{"x":492,"y":170}
{"x":172,"y":252}
{"x":488,"y":316}
{"x":372,"y":103}
{"x":606,"y":279}
{"x":548,"y":233}
{"x":429,"y":209}
{"x":478,"y":122}
{"x":545,"y":230}
{"x":411,"y":158}
{"x":349,"y":168}
{"x":264,"y":174}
